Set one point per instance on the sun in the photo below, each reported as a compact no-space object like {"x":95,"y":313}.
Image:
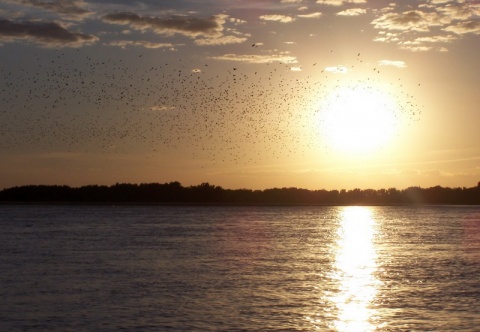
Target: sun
{"x":358,"y":119}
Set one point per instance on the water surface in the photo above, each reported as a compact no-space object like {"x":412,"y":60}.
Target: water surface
{"x":71,"y":268}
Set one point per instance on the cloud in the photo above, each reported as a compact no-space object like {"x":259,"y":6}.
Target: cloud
{"x":387,"y":37}
{"x":352,"y":12}
{"x":422,"y":44}
{"x":340,"y":2}
{"x":185,"y":25}
{"x":311,"y":15}
{"x":393,"y":63}
{"x":49,"y":34}
{"x":124,"y":43}
{"x":330,"y":2}
{"x":447,"y":20}
{"x":337,"y":69}
{"x":73,"y":8}
{"x":465,"y":27}
{"x":436,"y":39}
{"x":437,"y":2}
{"x":415,"y":48}
{"x":460,"y":11}
{"x":255,"y":58}
{"x":223,"y":40}
{"x":211,"y":28}
{"x":278,"y":18}
{"x":414,"y":20}
{"x":431,"y":39}
{"x":236,"y":20}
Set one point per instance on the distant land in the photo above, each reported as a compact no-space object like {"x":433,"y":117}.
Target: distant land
{"x":174,"y":193}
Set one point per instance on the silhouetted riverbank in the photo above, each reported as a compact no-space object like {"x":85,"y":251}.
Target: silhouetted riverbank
{"x":174,"y":193}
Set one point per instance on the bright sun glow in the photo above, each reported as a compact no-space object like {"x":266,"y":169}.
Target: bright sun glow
{"x":358,"y":119}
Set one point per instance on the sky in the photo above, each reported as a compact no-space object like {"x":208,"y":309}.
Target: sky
{"x":316,"y":94}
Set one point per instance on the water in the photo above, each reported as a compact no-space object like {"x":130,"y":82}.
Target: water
{"x":71,"y":268}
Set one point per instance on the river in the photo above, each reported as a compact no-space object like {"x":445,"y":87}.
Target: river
{"x":164,"y":268}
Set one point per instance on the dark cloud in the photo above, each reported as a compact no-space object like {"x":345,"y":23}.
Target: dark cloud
{"x":185,"y":25}
{"x":408,"y":18}
{"x":73,"y":8}
{"x":46,"y":33}
{"x":465,"y":27}
{"x":414,"y":20}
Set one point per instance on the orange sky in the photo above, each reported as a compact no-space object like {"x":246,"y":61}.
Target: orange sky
{"x":246,"y":94}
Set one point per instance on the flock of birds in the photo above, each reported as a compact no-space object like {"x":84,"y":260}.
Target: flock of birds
{"x":107,"y":105}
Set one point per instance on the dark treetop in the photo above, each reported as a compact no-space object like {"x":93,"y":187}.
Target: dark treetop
{"x":175,"y":193}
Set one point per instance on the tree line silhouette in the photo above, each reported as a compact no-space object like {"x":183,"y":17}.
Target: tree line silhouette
{"x":205,"y":193}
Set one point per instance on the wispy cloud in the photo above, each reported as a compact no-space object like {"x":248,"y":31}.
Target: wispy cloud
{"x":48,"y":34}
{"x":340,"y":2}
{"x":436,"y":2}
{"x":255,"y":58}
{"x":422,"y":44}
{"x":463,"y":11}
{"x":393,"y":63}
{"x":406,"y":46}
{"x":278,"y":18}
{"x":337,"y":69}
{"x":223,"y":40}
{"x":311,"y":15}
{"x":142,"y":43}
{"x":387,"y":37}
{"x":352,"y":12}
{"x":435,"y":39}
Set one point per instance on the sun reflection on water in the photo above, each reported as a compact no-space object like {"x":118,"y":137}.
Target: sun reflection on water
{"x":354,"y":271}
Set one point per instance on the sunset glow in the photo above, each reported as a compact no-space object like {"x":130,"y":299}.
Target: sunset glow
{"x":313,"y":94}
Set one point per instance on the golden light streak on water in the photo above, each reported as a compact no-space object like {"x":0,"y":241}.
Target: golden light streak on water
{"x":354,"y":271}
